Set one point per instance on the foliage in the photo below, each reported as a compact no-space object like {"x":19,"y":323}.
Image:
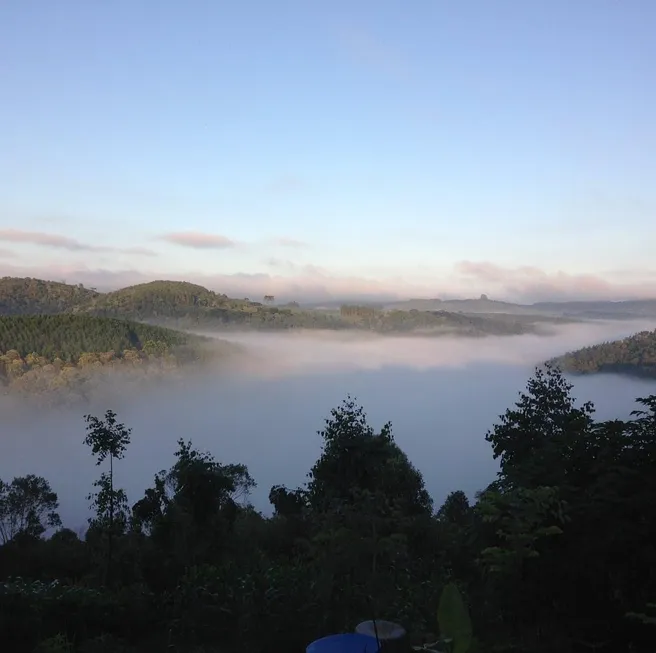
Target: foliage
{"x":53,"y":354}
{"x":635,"y":356}
{"x":431,"y":322}
{"x":453,"y":619}
{"x":536,"y":441}
{"x":28,"y":506}
{"x":184,"y":305}
{"x":553,"y":555}
{"x":68,"y":337}
{"x":27,"y":296}
{"x":107,"y":438}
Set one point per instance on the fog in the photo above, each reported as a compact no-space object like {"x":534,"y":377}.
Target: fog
{"x":441,"y":395}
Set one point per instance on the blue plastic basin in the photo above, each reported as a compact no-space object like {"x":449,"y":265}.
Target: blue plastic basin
{"x":346,"y":643}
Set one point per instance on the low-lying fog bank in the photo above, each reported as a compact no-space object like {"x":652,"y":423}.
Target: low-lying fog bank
{"x":440,"y":394}
{"x":305,"y":351}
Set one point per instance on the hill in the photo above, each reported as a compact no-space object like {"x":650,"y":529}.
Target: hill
{"x":184,"y":305}
{"x":27,"y":296}
{"x":162,"y":299}
{"x":635,"y":356}
{"x":430,"y":322}
{"x":481,"y":305}
{"x":591,"y":310}
{"x":600,"y":310}
{"x":45,"y":352}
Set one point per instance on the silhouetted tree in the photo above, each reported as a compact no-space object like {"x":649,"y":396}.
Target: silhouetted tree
{"x":28,"y":506}
{"x":108,"y":438}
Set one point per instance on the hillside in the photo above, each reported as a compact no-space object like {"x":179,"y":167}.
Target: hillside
{"x":480,"y":305}
{"x":39,"y":353}
{"x":162,"y":299}
{"x":600,"y":310}
{"x":429,"y":322}
{"x":635,"y":356}
{"x":590,"y":310}
{"x":27,"y":296}
{"x":183,"y":305}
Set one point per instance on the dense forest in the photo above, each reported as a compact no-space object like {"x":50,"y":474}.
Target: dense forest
{"x":181,"y":304}
{"x":44,"y":353}
{"x":557,"y":554}
{"x":19,"y":296}
{"x":635,"y":356}
{"x":434,"y":322}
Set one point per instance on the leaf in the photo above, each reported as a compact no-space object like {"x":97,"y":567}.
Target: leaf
{"x":453,"y":619}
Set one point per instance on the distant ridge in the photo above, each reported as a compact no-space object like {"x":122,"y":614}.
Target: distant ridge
{"x":185,"y":305}
{"x":593,"y":309}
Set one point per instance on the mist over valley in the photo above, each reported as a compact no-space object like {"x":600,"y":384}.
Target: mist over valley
{"x":265,"y":406}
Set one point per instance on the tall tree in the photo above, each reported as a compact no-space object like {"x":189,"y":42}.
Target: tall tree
{"x":193,"y":506}
{"x":107,"y":438}
{"x":356,"y":459}
{"x":539,"y":440}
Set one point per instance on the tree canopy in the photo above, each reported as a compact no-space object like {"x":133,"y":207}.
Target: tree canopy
{"x":634,"y":356}
{"x":557,"y":554}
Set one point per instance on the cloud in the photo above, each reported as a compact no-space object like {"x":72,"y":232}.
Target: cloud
{"x":280,"y":263}
{"x":46,"y":240}
{"x":310,"y":283}
{"x":283,"y":241}
{"x":6,"y":253}
{"x":197,"y":240}
{"x":56,"y":241}
{"x":138,"y":251}
{"x":528,"y":283}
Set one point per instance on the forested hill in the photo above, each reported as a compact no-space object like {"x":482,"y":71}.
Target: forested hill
{"x":42,"y":354}
{"x":181,"y":304}
{"x":69,"y":336}
{"x":635,"y":355}
{"x":27,"y":296}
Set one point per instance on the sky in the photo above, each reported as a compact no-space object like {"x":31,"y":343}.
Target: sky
{"x":332,"y":149}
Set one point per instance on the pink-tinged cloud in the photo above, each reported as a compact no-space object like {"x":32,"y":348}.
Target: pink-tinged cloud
{"x":288,"y":281}
{"x":56,"y":241}
{"x":528,"y":283}
{"x":6,"y":253}
{"x":198,"y":240}
{"x":46,"y":240}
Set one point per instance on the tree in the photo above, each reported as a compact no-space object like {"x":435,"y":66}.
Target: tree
{"x":28,"y":506}
{"x":193,"y":505}
{"x":108,"y":439}
{"x":356,"y":459}
{"x":538,"y":441}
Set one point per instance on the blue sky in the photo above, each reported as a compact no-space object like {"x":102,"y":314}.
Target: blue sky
{"x":302,"y":148}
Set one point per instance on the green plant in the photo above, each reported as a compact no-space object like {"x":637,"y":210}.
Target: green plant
{"x":454,"y":624}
